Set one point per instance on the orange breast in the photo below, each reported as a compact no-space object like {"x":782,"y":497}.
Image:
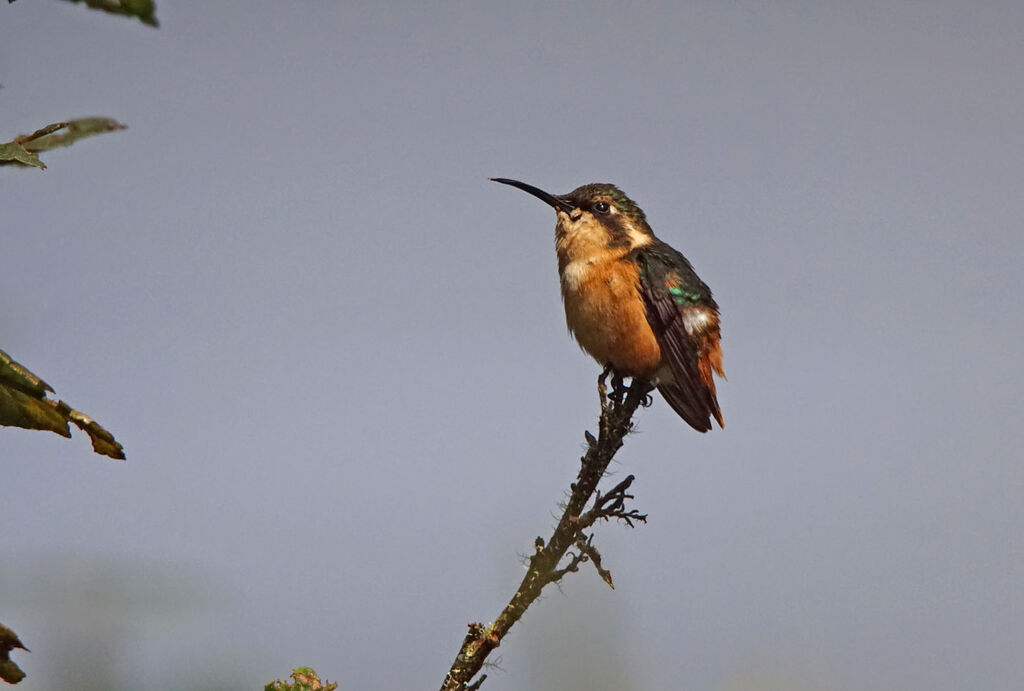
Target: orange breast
{"x":606,"y":314}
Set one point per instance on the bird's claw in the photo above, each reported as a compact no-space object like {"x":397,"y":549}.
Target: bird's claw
{"x":602,"y":390}
{"x":618,"y":389}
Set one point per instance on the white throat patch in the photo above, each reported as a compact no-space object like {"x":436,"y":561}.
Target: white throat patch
{"x":575,"y":273}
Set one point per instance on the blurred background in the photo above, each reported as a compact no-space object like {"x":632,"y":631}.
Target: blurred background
{"x":337,"y":359}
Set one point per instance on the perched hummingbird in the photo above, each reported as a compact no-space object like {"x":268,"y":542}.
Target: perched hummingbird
{"x":634,"y":303}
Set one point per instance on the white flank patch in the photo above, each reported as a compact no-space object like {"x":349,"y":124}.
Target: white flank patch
{"x":695,"y":320}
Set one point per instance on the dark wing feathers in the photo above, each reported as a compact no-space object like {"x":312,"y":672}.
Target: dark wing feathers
{"x":670,"y":289}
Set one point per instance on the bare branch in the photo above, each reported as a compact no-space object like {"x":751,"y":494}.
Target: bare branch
{"x":615,"y":423}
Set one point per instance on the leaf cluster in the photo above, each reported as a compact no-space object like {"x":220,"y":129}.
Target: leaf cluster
{"x":303,"y":679}
{"x":24,"y":403}
{"x":22,"y":149}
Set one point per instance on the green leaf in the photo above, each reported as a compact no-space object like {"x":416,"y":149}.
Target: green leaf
{"x":145,"y":10}
{"x":48,"y":138}
{"x":22,"y":150}
{"x":13,"y":152}
{"x":9,"y":671}
{"x":24,"y":403}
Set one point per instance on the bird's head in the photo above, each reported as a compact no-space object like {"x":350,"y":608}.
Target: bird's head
{"x":593,"y":217}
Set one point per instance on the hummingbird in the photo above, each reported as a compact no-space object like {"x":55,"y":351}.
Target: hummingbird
{"x":634,"y":303}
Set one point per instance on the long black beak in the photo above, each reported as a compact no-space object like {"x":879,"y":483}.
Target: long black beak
{"x":557,"y":202}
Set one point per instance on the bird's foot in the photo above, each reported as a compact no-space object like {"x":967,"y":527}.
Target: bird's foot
{"x":619,"y":389}
{"x":602,"y":389}
{"x":640,"y":389}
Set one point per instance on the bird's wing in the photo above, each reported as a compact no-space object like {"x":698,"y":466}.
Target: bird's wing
{"x":684,"y":318}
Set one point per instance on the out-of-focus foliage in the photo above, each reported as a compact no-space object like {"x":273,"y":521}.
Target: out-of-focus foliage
{"x":303,"y":679}
{"x":145,"y":10}
{"x":24,"y":403}
{"x":22,"y":149}
{"x":9,"y":671}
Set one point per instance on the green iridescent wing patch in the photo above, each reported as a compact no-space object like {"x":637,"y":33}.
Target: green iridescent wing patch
{"x":680,"y":295}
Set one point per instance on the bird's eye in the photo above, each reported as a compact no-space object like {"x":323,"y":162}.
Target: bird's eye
{"x":601,"y":207}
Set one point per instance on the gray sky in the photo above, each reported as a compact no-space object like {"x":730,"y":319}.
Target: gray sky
{"x":336,"y":355}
